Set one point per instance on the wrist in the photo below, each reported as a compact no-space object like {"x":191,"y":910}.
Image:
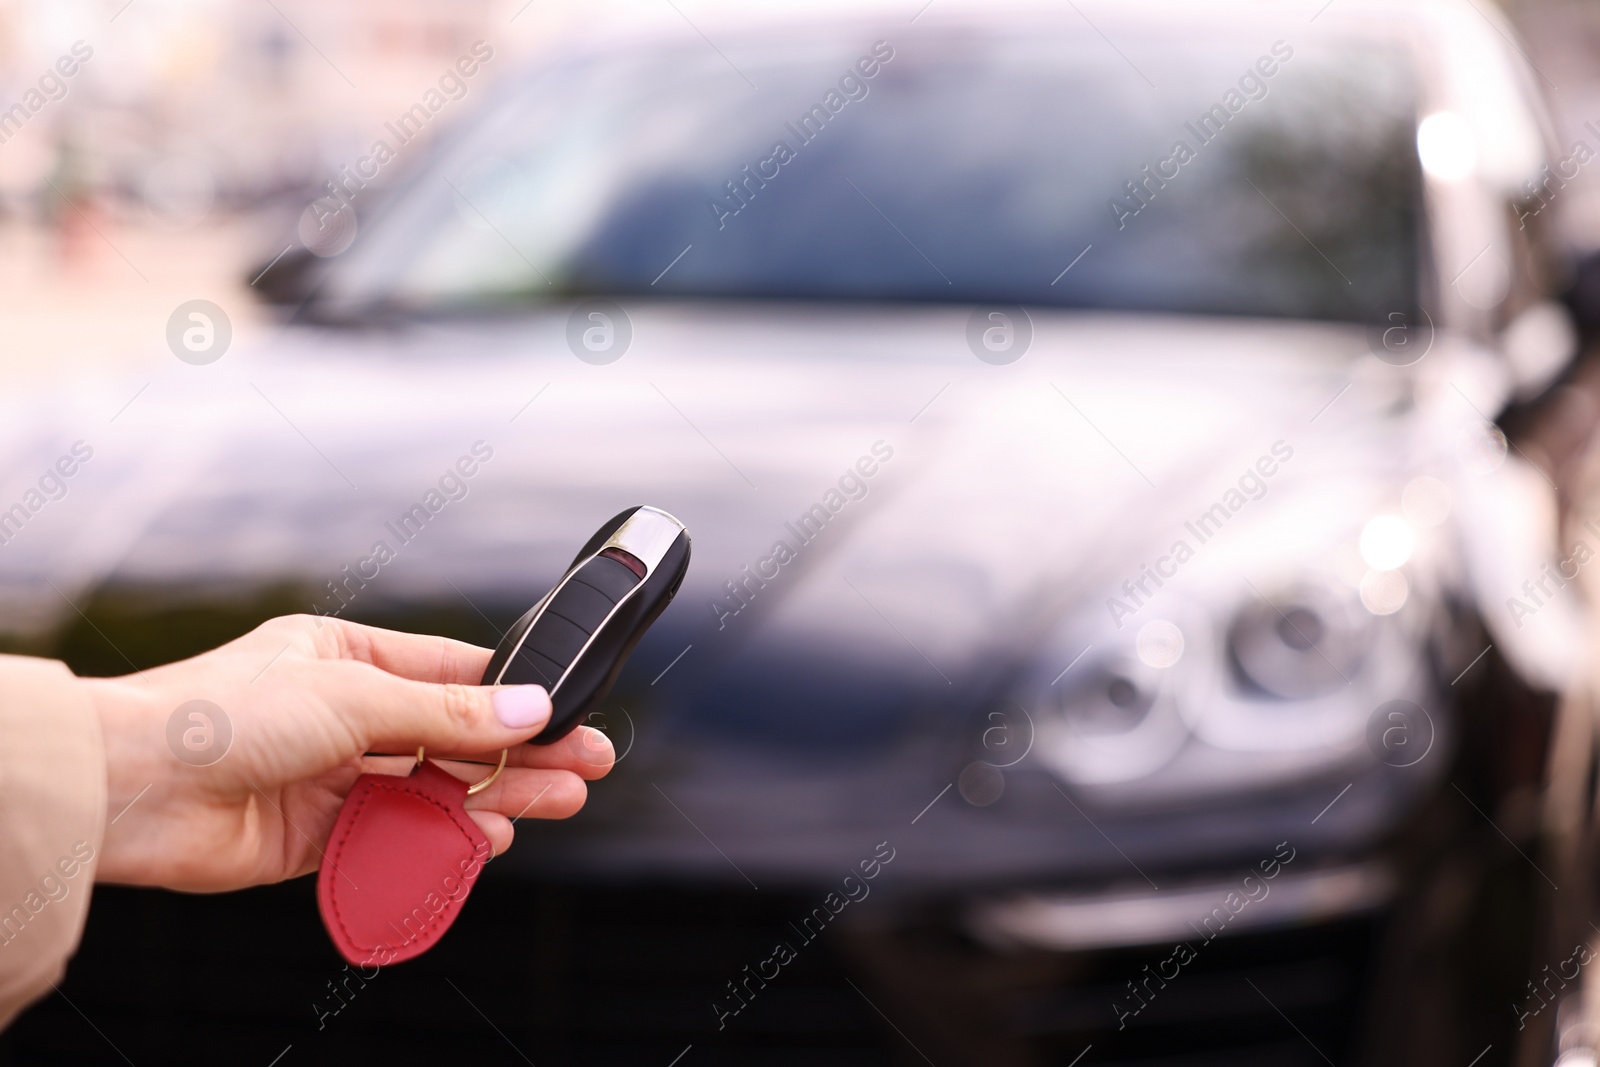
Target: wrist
{"x":131,"y":738}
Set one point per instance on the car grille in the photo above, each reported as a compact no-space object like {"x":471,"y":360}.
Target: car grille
{"x":574,"y":975}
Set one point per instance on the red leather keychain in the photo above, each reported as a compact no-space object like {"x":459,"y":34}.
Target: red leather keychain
{"x":402,"y":858}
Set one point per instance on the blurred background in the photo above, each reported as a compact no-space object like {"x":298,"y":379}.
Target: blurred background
{"x":193,"y":139}
{"x":1167,"y":570}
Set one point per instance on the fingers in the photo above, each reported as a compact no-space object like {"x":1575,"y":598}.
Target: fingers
{"x":517,"y":794}
{"x":420,"y":657}
{"x":587,"y":752}
{"x":388,"y":713}
{"x":496,"y":827}
{"x":532,"y":794}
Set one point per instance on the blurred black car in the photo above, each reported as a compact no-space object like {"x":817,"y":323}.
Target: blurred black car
{"x":1101,"y":529}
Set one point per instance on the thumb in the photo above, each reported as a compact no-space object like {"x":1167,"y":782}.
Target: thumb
{"x":395,"y":714}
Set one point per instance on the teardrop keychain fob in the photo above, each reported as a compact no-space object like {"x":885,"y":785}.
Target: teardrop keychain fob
{"x":404,"y":854}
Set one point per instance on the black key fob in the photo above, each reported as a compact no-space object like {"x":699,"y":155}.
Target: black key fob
{"x":575,"y":641}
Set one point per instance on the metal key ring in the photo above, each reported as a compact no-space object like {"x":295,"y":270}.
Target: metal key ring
{"x":477,"y":787}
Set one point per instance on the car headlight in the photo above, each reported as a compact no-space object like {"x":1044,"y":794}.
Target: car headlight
{"x":1111,"y":700}
{"x":1115,"y":720}
{"x":1257,"y":688}
{"x":1302,"y":646}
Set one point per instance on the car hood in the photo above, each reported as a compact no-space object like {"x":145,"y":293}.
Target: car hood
{"x":287,"y":460}
{"x":885,"y":528}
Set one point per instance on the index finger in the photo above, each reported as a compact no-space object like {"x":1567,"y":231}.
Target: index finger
{"x":418,"y":657}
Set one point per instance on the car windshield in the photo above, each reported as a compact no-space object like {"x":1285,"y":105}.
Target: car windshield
{"x":1037,"y":168}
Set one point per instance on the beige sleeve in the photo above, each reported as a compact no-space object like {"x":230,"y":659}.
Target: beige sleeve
{"x":52,"y":815}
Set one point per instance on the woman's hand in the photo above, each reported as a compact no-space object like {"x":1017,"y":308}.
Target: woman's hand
{"x":304,"y":699}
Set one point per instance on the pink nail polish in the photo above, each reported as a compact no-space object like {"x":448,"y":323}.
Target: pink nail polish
{"x":521,"y":706}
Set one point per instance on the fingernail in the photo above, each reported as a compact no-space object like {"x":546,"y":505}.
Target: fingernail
{"x":593,"y":747}
{"x":521,"y":706}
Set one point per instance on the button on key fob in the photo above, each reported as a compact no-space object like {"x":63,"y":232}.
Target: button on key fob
{"x":575,"y":641}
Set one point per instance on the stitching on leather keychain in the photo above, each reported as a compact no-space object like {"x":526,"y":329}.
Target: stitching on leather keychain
{"x":333,"y":894}
{"x":338,"y":852}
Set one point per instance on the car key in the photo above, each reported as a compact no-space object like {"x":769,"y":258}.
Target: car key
{"x":399,"y":839}
{"x":576,"y":639}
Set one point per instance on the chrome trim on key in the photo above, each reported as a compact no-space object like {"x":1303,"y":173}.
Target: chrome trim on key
{"x":647,"y":534}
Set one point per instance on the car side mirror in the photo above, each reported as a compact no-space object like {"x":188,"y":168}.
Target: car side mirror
{"x":288,"y":280}
{"x":1538,"y":344}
